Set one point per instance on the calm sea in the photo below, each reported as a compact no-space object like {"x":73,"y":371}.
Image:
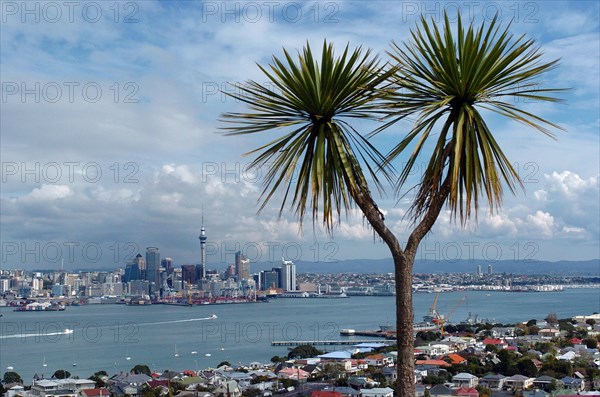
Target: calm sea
{"x":176,"y":337}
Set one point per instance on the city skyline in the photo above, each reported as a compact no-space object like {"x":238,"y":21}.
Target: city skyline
{"x":92,"y":190}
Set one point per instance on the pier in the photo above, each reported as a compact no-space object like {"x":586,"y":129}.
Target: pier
{"x":321,"y":342}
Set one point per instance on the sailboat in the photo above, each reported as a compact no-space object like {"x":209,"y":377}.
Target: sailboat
{"x":44,"y":363}
{"x":127,"y":357}
{"x":176,"y":354}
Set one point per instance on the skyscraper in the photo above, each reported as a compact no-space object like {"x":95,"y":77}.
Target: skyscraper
{"x":188,"y":275}
{"x":479,"y":272}
{"x":490,"y":270}
{"x":153,"y":264}
{"x":242,"y":266}
{"x":288,"y":275}
{"x":167,"y":264}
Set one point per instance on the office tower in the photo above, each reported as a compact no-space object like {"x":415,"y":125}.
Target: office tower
{"x":242,"y":266}
{"x":167,"y":264}
{"x":288,"y":275}
{"x":490,"y":269}
{"x":269,"y":279}
{"x":152,"y":264}
{"x":479,"y":272}
{"x":141,"y":263}
{"x":188,"y":275}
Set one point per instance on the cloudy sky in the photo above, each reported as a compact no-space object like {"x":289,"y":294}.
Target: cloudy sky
{"x":110,"y":142}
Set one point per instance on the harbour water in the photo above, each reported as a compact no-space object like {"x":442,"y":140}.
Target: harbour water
{"x":114,"y":338}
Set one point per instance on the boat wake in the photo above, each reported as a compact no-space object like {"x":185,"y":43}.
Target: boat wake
{"x":189,"y":320}
{"x":67,"y":331}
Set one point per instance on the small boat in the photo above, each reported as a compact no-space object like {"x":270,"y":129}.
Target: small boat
{"x":222,"y":349}
{"x":44,"y":363}
{"x":9,"y":368}
{"x":68,"y":331}
{"x":213,"y":317}
{"x":207,"y":355}
{"x":176,"y":354}
{"x":194,"y":352}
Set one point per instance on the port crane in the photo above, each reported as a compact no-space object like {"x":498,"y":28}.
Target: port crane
{"x":440,"y":320}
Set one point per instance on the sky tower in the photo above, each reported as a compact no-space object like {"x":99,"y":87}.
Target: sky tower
{"x":202,"y":238}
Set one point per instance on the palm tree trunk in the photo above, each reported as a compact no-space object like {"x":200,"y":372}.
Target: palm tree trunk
{"x":403,"y":265}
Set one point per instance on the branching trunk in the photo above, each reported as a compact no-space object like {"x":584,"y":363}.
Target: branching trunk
{"x":403,"y":268}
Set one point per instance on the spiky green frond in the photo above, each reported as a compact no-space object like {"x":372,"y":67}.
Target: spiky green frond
{"x":317,"y":162}
{"x":443,"y":80}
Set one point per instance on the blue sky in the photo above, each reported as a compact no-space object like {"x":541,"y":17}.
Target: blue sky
{"x":110,"y":143}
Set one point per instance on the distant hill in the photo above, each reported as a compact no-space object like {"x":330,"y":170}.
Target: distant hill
{"x":574,"y":268}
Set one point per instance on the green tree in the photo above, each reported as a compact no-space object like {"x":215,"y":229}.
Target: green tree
{"x":61,"y":374}
{"x":440,"y":79}
{"x":304,"y":351}
{"x":222,"y":363}
{"x":141,"y":369}
{"x":590,"y":343}
{"x":11,"y":377}
{"x":526,"y":367}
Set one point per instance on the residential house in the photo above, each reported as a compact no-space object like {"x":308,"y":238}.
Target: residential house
{"x":228,"y":389}
{"x":15,"y":389}
{"x":440,"y":391}
{"x":543,"y":382}
{"x":549,"y":333}
{"x":325,"y":393}
{"x":378,"y":360}
{"x":573,"y":383}
{"x":535,"y":393}
{"x":96,"y":392}
{"x":344,"y":391}
{"x":464,"y":379}
{"x":50,"y":388}
{"x":293,"y":373}
{"x":377,"y":392}
{"x":420,"y":390}
{"x":519,"y":382}
{"x":499,"y":343}
{"x":456,"y":359}
{"x":493,"y":381}
{"x":467,"y":392}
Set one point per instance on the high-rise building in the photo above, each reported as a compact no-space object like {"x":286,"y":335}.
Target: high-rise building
{"x":269,"y":279}
{"x":167,"y":264}
{"x":132,"y":272}
{"x":490,"y":270}
{"x":202,"y":239}
{"x":141,"y":263}
{"x":288,"y":275}
{"x":479,"y":271}
{"x":153,"y":264}
{"x":188,"y":275}
{"x":242,"y":266}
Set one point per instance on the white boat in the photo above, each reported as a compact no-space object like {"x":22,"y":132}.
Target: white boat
{"x":194,"y":352}
{"x":68,"y":331}
{"x":44,"y":363}
{"x":176,"y":354}
{"x":213,"y":317}
{"x":207,"y":354}
{"x":9,"y":368}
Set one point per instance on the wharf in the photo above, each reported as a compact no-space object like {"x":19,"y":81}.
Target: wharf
{"x":320,"y":342}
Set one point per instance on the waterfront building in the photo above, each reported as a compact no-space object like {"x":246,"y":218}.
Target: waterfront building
{"x":269,"y":279}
